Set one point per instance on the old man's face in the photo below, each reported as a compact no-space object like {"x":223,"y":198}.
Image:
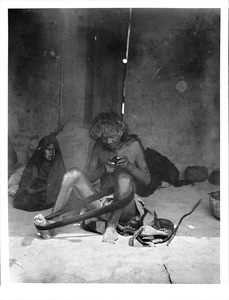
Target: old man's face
{"x":111,"y":140}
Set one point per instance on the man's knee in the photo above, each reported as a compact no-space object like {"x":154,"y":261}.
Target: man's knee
{"x":124,"y":181}
{"x":72,"y":175}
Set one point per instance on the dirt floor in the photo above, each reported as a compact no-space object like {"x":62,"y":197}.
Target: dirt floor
{"x":77,"y":256}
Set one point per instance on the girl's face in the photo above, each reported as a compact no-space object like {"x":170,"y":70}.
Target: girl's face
{"x":50,"y":152}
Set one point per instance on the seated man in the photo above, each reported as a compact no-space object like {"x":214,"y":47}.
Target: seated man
{"x":128,"y":167}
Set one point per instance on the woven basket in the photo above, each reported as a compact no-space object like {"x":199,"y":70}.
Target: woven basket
{"x":214,"y":201}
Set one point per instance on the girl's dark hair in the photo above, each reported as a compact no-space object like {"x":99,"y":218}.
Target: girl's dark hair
{"x":108,"y":123}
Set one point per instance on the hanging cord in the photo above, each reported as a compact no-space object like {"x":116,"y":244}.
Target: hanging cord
{"x":60,"y":78}
{"x":128,"y":35}
{"x":125,"y":61}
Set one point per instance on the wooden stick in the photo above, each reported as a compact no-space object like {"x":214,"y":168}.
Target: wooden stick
{"x":178,"y":225}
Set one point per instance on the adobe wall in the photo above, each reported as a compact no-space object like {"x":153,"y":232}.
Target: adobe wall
{"x":172,"y":91}
{"x":172,"y":98}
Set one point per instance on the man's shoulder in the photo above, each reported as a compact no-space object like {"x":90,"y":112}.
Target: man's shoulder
{"x":134,"y":141}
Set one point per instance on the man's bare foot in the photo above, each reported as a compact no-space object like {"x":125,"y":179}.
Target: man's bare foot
{"x":110,"y":235}
{"x":40,"y":220}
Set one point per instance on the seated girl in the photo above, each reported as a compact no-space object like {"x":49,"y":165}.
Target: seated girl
{"x":41,"y":179}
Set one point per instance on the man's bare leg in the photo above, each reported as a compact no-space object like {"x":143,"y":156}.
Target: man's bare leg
{"x":77,"y":179}
{"x":123,"y":189}
{"x":73,"y":178}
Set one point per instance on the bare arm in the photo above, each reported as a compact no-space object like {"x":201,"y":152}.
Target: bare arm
{"x":139,"y":168}
{"x":94,"y":171}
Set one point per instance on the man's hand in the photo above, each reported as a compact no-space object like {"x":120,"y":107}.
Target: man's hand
{"x":123,"y":161}
{"x":110,"y":167}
